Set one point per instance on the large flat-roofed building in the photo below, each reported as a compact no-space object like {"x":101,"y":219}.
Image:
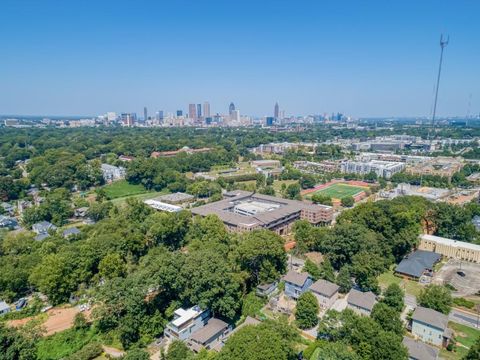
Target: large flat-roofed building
{"x":186,"y":322}
{"x":385,"y":169}
{"x":452,"y":249}
{"x":442,"y":166}
{"x":247,"y":211}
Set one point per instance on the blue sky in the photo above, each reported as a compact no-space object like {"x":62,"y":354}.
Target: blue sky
{"x":363,"y":58}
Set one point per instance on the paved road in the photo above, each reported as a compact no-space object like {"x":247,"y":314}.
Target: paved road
{"x":456,"y":315}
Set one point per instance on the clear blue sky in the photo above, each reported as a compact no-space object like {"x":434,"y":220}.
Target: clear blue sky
{"x":364,"y":58}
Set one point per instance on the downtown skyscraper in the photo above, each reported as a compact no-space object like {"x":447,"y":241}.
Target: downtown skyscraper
{"x":276,"y":111}
{"x":206,"y":109}
{"x":192,"y":111}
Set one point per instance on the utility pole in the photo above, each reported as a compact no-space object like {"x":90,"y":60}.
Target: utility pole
{"x":443,"y":44}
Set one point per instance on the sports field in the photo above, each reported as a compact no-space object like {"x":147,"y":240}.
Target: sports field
{"x":339,"y":191}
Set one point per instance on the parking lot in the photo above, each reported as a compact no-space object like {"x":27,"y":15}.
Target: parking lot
{"x":451,"y":273}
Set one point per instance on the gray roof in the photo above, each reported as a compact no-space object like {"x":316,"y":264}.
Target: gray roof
{"x":417,"y":262}
{"x":223,"y":208}
{"x":41,"y":236}
{"x":43,"y":227}
{"x":430,"y":317}
{"x":3,"y":306}
{"x":175,"y":197}
{"x":296,"y":278}
{"x":419,"y":350}
{"x":364,"y":300}
{"x":324,"y":287}
{"x":71,"y":231}
{"x":212,"y":330}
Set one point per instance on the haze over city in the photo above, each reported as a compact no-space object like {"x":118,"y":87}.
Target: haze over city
{"x":364,"y":59}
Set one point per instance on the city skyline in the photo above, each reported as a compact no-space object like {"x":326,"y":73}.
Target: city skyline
{"x":366,"y":60}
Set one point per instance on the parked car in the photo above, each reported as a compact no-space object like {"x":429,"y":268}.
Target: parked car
{"x":21,"y":303}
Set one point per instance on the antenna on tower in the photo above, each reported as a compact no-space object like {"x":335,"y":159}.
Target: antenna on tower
{"x":443,"y":44}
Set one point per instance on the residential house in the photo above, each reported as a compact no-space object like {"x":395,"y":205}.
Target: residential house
{"x":361,"y":302}
{"x":248,"y":321}
{"x":81,"y":212}
{"x":9,"y":208}
{"x":296,"y":283}
{"x":265,"y":290}
{"x":418,"y":350}
{"x":430,"y":326}
{"x":8,"y":222}
{"x":208,"y":336}
{"x":70,"y":232}
{"x":41,"y":236}
{"x":4,"y":308}
{"x":43,"y":227}
{"x":185,"y":322}
{"x":325,"y":291}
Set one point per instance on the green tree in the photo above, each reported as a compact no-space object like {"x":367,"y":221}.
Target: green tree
{"x":262,"y":255}
{"x":293,"y":192}
{"x":334,"y":351}
{"x":436,"y":297}
{"x":388,"y":318}
{"x":16,"y":345}
{"x":136,"y":354}
{"x":178,"y":351}
{"x":306,"y":313}
{"x":307,"y":181}
{"x":393,"y":297}
{"x":319,"y":198}
{"x":326,"y":270}
{"x":344,"y":279}
{"x":112,"y":266}
{"x":347,"y":201}
{"x":474,"y":351}
{"x":311,"y":268}
{"x":266,"y":341}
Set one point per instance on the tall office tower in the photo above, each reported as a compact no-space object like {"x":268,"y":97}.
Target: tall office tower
{"x":145,"y":113}
{"x":179,"y":113}
{"x":192,"y":111}
{"x":199,"y":111}
{"x":231,"y":108}
{"x":206,"y":109}
{"x":269,"y":121}
{"x":276,"y":111}
{"x":159,"y":117}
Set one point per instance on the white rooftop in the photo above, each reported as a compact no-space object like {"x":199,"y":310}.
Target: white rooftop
{"x":450,"y":242}
{"x":185,"y":315}
{"x":158,"y":205}
{"x":256,"y":207}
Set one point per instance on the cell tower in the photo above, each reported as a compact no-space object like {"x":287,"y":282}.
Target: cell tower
{"x":443,"y":44}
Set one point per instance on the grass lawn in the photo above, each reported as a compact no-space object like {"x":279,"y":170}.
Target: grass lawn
{"x":122,"y":188}
{"x":465,"y":336}
{"x":277,"y":185}
{"x":140,"y":197}
{"x":410,"y":287}
{"x":339,"y":191}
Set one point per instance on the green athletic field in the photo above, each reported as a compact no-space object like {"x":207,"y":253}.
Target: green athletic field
{"x":338,"y":191}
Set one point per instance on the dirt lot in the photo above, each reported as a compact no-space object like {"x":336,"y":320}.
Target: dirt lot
{"x":59,"y":319}
{"x":465,"y":285}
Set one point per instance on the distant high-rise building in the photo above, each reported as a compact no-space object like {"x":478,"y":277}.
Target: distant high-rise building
{"x":269,"y":121}
{"x":231,"y":108}
{"x":145,"y":114}
{"x":235,"y":115}
{"x":199,"y":111}
{"x":179,"y":113}
{"x":111,"y":116}
{"x":159,"y":116}
{"x":206,"y":109}
{"x":276,"y":111}
{"x":128,"y":119}
{"x":192,"y":111}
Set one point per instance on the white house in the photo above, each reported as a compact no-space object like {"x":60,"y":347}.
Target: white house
{"x":325,"y":291}
{"x":361,"y":302}
{"x":186,"y":322}
{"x":112,"y":173}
